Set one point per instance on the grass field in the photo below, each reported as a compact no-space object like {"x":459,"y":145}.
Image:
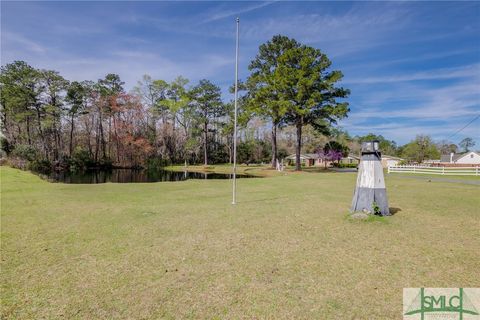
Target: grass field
{"x":287,"y":250}
{"x":254,"y":170}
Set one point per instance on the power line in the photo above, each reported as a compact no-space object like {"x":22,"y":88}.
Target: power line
{"x":469,"y":123}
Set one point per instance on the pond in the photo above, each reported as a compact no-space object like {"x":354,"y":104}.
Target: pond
{"x":134,"y":175}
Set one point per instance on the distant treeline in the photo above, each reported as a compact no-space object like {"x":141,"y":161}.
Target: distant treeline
{"x":288,"y":104}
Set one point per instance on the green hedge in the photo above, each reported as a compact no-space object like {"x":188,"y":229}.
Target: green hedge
{"x":345,"y":165}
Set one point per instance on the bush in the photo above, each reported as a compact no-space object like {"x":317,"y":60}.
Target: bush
{"x":80,"y":160}
{"x":17,"y":163}
{"x":6,"y":146}
{"x":376,"y":209}
{"x":245,"y":152}
{"x":41,"y":166}
{"x":25,"y":152}
{"x":254,"y":151}
{"x":345,"y":165}
{"x":105,"y":163}
{"x":219,"y":155}
{"x":156,"y":163}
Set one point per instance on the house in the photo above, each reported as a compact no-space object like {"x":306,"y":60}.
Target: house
{"x":350,"y":159}
{"x":469,"y":158}
{"x":390,"y":161}
{"x":314,"y":159}
{"x":307,"y":160}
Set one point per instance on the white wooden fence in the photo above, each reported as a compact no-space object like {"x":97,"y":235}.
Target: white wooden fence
{"x":452,"y":171}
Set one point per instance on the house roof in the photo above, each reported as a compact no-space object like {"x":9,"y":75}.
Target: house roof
{"x":304,"y":156}
{"x":317,"y":156}
{"x":384,"y":156}
{"x":352,"y":156}
{"x":446,"y":157}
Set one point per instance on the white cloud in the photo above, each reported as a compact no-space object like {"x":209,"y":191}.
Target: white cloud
{"x":222,"y":14}
{"x":131,"y":65}
{"x":403,"y":133}
{"x":405,"y":110}
{"x":23,"y":42}
{"x":437,"y":74}
{"x":359,"y":28}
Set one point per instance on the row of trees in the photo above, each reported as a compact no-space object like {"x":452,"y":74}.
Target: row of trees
{"x":423,"y":147}
{"x":57,"y":121}
{"x":288,"y":103}
{"x":292,"y":84}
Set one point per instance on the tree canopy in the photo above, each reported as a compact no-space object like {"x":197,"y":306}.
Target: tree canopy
{"x":292,"y":83}
{"x":290,"y":102}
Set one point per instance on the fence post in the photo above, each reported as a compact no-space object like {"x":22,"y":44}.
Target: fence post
{"x":476,"y":171}
{"x":443,"y":170}
{"x":388,"y":169}
{"x":414,"y":168}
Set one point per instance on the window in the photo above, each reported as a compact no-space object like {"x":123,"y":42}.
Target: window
{"x":471,"y":156}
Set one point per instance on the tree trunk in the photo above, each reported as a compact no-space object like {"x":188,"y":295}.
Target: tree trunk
{"x":28,"y":132}
{"x":56,"y":130}
{"x":88,"y":129}
{"x":59,"y":138}
{"x":40,"y":131}
{"x":230,"y":151}
{"x":70,"y":148}
{"x":298,"y":149}
{"x":117,"y":140}
{"x":96,"y":126}
{"x":274,"y":145}
{"x":154,"y":130}
{"x":102,"y":137}
{"x":110,"y":135}
{"x":56,"y":138}
{"x":205,"y":143}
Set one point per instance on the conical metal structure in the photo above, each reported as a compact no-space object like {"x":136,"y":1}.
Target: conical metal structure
{"x":370,"y":189}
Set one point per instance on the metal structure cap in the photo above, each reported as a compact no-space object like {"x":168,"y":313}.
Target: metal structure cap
{"x":370,"y":147}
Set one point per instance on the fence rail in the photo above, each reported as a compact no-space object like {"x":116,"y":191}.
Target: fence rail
{"x":453,"y":171}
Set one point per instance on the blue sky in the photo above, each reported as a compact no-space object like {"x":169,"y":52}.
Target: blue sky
{"x":412,"y":67}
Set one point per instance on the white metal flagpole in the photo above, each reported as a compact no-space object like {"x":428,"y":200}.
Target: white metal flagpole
{"x":234,"y":196}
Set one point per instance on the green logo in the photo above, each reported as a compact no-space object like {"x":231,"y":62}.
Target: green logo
{"x":439,"y":303}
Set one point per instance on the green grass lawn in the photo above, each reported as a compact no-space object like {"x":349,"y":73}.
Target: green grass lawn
{"x":180,"y":250}
{"x":254,"y":170}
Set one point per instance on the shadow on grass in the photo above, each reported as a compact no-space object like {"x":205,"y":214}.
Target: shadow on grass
{"x":371,"y":218}
{"x":260,"y":200}
{"x":309,"y":170}
{"x":375,"y":218}
{"x":394,"y":210}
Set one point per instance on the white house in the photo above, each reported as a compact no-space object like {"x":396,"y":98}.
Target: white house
{"x":390,"y":161}
{"x":314,"y":159}
{"x":307,"y":159}
{"x":471,"y":157}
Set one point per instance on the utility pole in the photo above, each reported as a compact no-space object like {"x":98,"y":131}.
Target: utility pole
{"x":234,"y":191}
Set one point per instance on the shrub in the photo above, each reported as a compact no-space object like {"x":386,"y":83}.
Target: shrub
{"x":105,"y":163}
{"x":376,"y":209}
{"x":6,"y":146}
{"x":218,"y":156}
{"x":41,"y":166}
{"x":25,"y":152}
{"x":345,"y":165}
{"x":155,"y":163}
{"x":17,"y":163}
{"x":80,"y":160}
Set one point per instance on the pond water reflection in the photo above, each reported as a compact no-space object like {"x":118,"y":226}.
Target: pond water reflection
{"x":134,"y":175}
